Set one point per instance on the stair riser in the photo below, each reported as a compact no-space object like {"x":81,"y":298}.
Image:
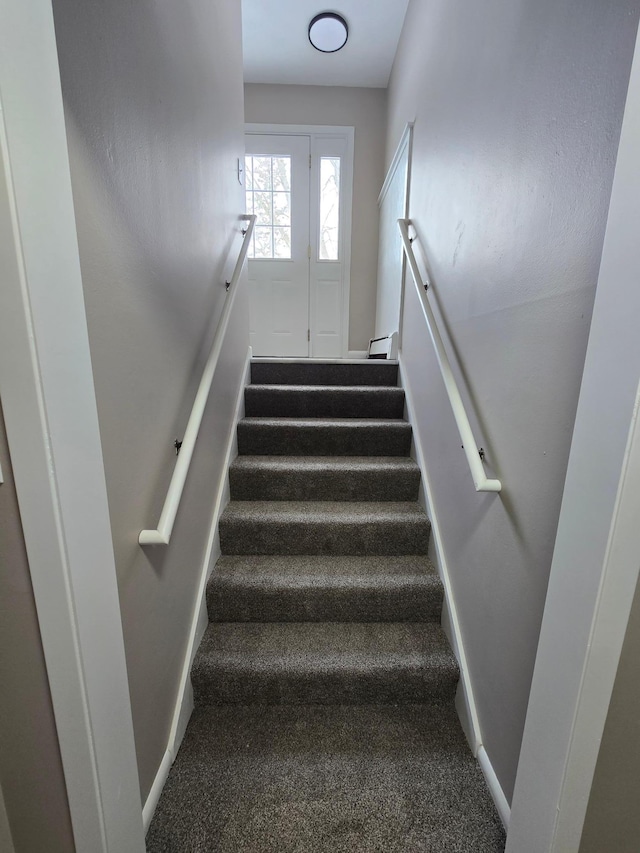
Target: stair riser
{"x":225,"y":685}
{"x":268,"y":401}
{"x":287,"y":373}
{"x":271,"y":536}
{"x":247,"y":485}
{"x":411,"y":602}
{"x":282,"y":439}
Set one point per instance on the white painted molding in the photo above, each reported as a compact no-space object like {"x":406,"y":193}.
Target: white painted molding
{"x":618,"y":582}
{"x":405,"y":141}
{"x":355,"y":354}
{"x":495,"y":789}
{"x":465,"y":703}
{"x":199,"y":618}
{"x":426,"y":495}
{"x":156,"y":789}
{"x":51,"y":417}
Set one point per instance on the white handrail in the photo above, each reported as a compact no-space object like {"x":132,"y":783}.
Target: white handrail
{"x":480,"y":480}
{"x":162,"y":535}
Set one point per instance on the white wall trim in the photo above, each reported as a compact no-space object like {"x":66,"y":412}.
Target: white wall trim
{"x":495,"y":789}
{"x":465,"y":699}
{"x":346,"y":132}
{"x":472,"y":726}
{"x":199,"y":618}
{"x":608,"y":630}
{"x":156,"y":789}
{"x":355,"y":354}
{"x":50,"y":411}
{"x":405,"y":141}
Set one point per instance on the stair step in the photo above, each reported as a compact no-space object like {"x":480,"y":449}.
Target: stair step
{"x":324,"y":478}
{"x":337,"y":437}
{"x":323,"y":663}
{"x":323,"y":527}
{"x":323,"y":401}
{"x":330,"y":589}
{"x":323,"y":373}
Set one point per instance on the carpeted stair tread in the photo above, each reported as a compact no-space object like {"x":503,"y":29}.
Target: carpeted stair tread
{"x":323,"y":663}
{"x":324,"y":527}
{"x":303,"y":588}
{"x":325,"y":779}
{"x":313,"y":478}
{"x":323,"y":373}
{"x":323,"y":401}
{"x":324,"y":436}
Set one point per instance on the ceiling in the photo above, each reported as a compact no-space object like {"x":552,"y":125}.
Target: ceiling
{"x":277,"y":48}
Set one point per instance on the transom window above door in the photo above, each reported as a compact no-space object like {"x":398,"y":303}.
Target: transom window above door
{"x":268,"y":185}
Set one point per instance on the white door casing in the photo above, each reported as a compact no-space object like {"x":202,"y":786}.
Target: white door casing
{"x":49,"y":406}
{"x":326,"y":325}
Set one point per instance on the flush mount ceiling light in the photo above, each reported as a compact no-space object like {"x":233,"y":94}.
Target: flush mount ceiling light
{"x":328,"y":32}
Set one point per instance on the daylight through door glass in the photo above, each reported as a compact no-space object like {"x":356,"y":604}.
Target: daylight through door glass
{"x":329,"y":208}
{"x":269,"y":197}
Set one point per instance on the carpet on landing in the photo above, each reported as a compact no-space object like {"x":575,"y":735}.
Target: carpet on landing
{"x":325,"y":779}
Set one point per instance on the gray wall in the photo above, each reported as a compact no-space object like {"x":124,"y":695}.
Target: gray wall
{"x":554,"y":759}
{"x":518,"y":108}
{"x":613,"y":817}
{"x":364,"y":109}
{"x":154,"y":109}
{"x":31,"y":777}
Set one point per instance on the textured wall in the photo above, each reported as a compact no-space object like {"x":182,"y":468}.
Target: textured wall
{"x":518,"y":108}
{"x":154,"y":109}
{"x":364,"y":109}
{"x":31,"y":775}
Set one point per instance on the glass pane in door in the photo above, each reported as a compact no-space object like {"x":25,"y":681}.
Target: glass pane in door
{"x":268,"y":193}
{"x":329,"y":208}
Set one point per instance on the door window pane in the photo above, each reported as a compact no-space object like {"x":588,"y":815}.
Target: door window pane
{"x":329,"y":208}
{"x":282,"y":242}
{"x":268,"y":194}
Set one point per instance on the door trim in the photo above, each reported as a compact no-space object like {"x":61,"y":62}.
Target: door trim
{"x":348,"y":133}
{"x":50,"y":413}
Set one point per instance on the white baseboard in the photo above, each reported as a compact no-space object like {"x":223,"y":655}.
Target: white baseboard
{"x":156,"y":789}
{"x":199,"y":620}
{"x":355,"y":354}
{"x":451,"y":622}
{"x":465,"y":700}
{"x":495,"y":789}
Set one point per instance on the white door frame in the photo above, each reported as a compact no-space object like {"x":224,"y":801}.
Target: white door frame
{"x":49,"y":406}
{"x":348,"y":133}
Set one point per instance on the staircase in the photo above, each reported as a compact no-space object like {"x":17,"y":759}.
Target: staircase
{"x":324,"y":683}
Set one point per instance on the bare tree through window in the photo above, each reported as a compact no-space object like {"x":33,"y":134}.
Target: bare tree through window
{"x":329,"y":208}
{"x":268,"y":193}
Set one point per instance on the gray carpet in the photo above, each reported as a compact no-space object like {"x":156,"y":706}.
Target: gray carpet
{"x":277,"y":588}
{"x":324,"y":684}
{"x":336,"y":779}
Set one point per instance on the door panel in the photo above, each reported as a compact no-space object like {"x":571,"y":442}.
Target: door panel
{"x":277,"y":186}
{"x":328,"y":244}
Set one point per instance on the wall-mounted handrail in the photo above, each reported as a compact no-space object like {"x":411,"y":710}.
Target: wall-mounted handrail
{"x":480,"y":480}
{"x":162,"y":535}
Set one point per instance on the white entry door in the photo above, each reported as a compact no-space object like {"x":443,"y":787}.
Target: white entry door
{"x":299,"y":186}
{"x":277,"y":186}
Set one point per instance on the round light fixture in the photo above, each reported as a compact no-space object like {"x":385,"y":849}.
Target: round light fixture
{"x":328,"y":32}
